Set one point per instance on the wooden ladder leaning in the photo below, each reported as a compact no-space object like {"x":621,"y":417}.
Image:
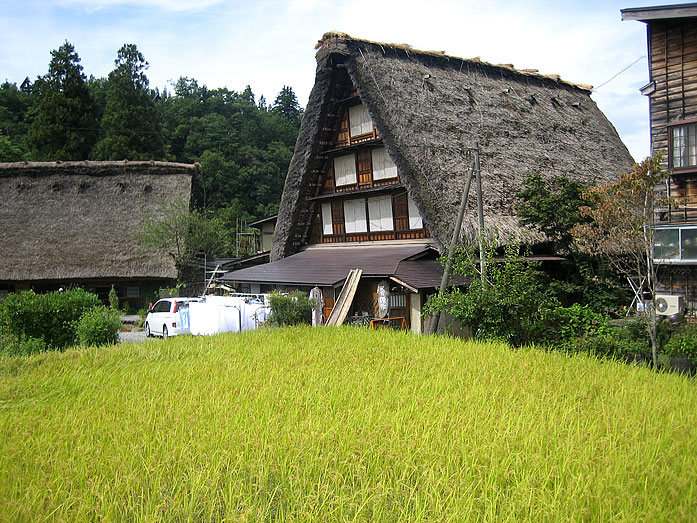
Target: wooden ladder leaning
{"x":343,"y":302}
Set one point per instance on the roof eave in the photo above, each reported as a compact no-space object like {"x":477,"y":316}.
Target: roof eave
{"x":659,"y":12}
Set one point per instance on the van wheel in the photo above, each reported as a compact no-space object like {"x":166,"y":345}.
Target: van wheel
{"x":164,"y":331}
{"x":147,"y":330}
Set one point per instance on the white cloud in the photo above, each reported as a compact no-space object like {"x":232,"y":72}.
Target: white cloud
{"x":167,"y":5}
{"x":270,"y":43}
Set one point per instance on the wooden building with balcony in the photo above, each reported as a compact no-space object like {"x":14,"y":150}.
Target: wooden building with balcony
{"x":671,"y":33}
{"x":380,"y":165}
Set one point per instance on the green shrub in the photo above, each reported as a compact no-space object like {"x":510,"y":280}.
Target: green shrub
{"x":563,"y":324}
{"x":49,"y":317}
{"x":508,"y":306}
{"x":635,"y":328}
{"x":290,"y":309}
{"x":113,"y":299}
{"x":683,"y":343}
{"x":10,"y":346}
{"x":98,"y":326}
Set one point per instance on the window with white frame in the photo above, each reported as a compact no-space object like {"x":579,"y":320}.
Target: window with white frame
{"x":359,"y":120}
{"x":383,"y":167}
{"x":327,"y":227}
{"x":683,"y":144}
{"x":380,"y":213}
{"x":415,"y":221}
{"x":345,"y":169}
{"x":354,"y":216}
{"x":675,"y":244}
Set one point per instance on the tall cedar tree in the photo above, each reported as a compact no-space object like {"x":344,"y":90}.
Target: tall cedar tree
{"x":286,"y":105}
{"x":131,"y":124}
{"x":64,"y":123}
{"x":14,"y":106}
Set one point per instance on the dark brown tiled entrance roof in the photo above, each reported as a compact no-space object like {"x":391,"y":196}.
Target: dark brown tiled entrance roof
{"x":329,"y":264}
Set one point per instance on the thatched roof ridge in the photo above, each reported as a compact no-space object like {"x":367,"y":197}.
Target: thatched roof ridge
{"x":77,"y":220}
{"x":332,"y":41}
{"x":428,"y":108}
{"x":92,"y":168}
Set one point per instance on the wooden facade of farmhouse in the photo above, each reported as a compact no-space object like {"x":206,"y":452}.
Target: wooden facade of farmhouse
{"x":378,"y":171}
{"x":672,"y":91}
{"x":360,"y":196}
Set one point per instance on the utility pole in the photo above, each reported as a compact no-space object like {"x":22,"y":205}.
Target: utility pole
{"x":474,"y":170}
{"x":480,"y":214}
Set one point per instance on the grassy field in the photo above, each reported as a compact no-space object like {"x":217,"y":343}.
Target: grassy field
{"x":342,"y":425}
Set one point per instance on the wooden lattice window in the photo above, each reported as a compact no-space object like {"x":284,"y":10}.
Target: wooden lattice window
{"x":345,"y":169}
{"x":354,"y":216}
{"x":383,"y":167}
{"x":327,"y":223}
{"x":683,"y":145}
{"x":415,"y":221}
{"x":359,"y":120}
{"x":380,"y":213}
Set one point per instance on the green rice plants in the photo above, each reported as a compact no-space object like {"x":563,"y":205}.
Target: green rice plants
{"x":342,"y":424}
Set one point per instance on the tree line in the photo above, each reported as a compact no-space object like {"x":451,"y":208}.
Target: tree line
{"x":244,"y":146}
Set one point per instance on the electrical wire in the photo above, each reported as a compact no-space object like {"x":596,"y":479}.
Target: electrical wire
{"x":622,"y":71}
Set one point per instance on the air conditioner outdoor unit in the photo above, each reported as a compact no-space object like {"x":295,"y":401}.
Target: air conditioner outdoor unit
{"x":668,"y":304}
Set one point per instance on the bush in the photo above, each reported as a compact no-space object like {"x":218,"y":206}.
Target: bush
{"x":98,"y":326}
{"x":113,"y":299}
{"x":290,"y":309}
{"x":508,"y":306}
{"x":12,"y":347}
{"x":49,"y":317}
{"x":563,"y":324}
{"x":683,"y":344}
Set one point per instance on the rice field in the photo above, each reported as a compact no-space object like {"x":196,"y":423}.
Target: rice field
{"x":342,"y":424}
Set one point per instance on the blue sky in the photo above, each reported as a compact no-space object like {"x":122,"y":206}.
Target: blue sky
{"x":270,"y":43}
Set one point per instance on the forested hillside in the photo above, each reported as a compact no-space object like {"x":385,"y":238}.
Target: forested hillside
{"x":244,"y":145}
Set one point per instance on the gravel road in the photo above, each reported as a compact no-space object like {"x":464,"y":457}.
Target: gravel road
{"x":132,"y":337}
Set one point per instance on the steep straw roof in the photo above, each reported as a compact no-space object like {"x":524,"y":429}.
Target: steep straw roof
{"x":429,"y":107}
{"x":77,"y":220}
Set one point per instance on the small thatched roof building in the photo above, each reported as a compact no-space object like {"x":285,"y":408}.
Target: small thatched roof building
{"x":427,"y":108}
{"x":75,"y":222}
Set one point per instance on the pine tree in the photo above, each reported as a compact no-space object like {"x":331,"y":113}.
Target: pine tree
{"x":64,"y":123}
{"x":131,"y":124}
{"x":14,"y":108}
{"x":286,"y":105}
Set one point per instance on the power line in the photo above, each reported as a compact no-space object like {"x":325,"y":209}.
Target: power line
{"x":615,"y":76}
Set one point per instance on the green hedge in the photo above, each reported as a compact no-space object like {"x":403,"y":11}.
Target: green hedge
{"x":290,"y":309}
{"x":51,"y":317}
{"x":98,"y":326}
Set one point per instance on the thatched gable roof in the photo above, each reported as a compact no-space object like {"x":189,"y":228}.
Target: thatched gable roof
{"x":429,"y":107}
{"x":77,"y":220}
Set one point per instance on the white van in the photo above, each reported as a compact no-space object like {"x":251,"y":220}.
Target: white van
{"x":168,"y":317}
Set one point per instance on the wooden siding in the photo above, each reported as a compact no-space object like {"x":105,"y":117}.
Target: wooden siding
{"x":338,"y":217}
{"x":673,"y":68}
{"x":361,"y":146}
{"x":673,"y":64}
{"x":365,"y":168}
{"x":400,"y":213}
